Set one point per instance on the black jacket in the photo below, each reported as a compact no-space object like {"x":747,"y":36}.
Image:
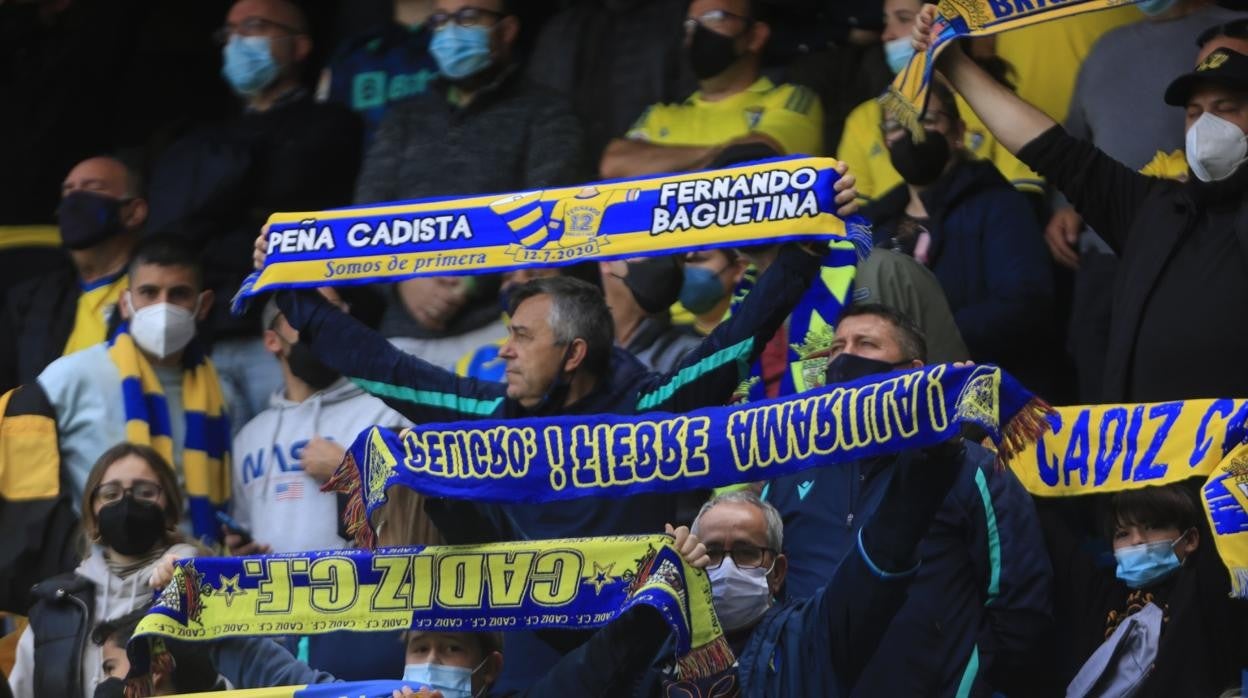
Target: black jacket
{"x":1204,"y":638}
{"x":61,"y":621}
{"x":1183,"y":279}
{"x":988,"y":253}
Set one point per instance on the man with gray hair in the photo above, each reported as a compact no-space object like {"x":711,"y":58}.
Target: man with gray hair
{"x":814,"y":646}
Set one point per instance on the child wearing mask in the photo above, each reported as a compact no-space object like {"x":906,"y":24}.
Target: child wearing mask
{"x":191,"y":672}
{"x":1160,"y":622}
{"x":130,"y":514}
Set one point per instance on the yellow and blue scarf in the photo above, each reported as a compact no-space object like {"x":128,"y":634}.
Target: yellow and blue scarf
{"x":906,"y":98}
{"x":551,"y":459}
{"x":206,"y":451}
{"x":576,"y":583}
{"x":1102,"y":449}
{"x":758,"y":203}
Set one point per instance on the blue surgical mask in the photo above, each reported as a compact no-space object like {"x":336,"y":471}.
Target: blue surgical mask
{"x":461,"y":51}
{"x":701,"y":290}
{"x":1143,"y":565}
{"x":452,"y":681}
{"x":1152,"y":8}
{"x":897,"y":53}
{"x":249,"y":64}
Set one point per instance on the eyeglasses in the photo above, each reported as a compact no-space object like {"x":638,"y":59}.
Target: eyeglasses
{"x":930,"y":121}
{"x":1236,"y":29}
{"x":743,"y":556}
{"x":252,"y":26}
{"x":717,"y":20}
{"x":464,"y":17}
{"x":143,"y":490}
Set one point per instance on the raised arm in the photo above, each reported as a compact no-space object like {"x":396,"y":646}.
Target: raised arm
{"x":1013,"y":121}
{"x":1104,"y":191}
{"x":710,"y":373}
{"x":1016,"y":577}
{"x":866,"y":590}
{"x":620,"y":653}
{"x":414,"y":388}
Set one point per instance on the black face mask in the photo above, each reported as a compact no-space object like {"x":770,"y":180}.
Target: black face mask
{"x":130,"y":526}
{"x":655,"y":283}
{"x":850,"y":367}
{"x":920,"y":164}
{"x":110,"y":688}
{"x":87,"y":219}
{"x":710,"y":53}
{"x":309,"y":369}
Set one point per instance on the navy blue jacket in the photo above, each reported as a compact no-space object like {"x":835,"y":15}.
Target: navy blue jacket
{"x":988,"y":253}
{"x":982,"y":592}
{"x":423,"y":393}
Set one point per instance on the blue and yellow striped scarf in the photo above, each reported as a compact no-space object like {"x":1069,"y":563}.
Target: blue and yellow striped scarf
{"x":206,"y":451}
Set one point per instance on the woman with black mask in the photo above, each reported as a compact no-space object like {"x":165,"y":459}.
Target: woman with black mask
{"x":130,"y":514}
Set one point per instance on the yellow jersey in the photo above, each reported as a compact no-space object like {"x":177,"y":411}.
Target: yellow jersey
{"x":862,"y":148}
{"x":1046,"y":56}
{"x":791,"y":115}
{"x":96,"y":304}
{"x":1172,"y":165}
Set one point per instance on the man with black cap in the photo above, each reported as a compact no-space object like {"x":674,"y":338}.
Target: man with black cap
{"x":639,"y":293}
{"x":100,"y":214}
{"x":1183,"y":245}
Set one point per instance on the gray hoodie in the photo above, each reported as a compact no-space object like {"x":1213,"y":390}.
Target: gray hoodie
{"x":279,"y":503}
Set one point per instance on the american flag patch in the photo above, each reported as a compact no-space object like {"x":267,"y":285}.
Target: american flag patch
{"x":287,"y":491}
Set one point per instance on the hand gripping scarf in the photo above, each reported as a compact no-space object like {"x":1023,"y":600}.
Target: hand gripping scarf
{"x":206,"y":451}
{"x":533,"y":585}
{"x":769,"y":201}
{"x":906,"y":98}
{"x":552,"y":459}
{"x":1102,"y":449}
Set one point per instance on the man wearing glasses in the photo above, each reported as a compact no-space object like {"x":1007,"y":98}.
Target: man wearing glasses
{"x":482,"y":127}
{"x":734,"y":105}
{"x":283,"y":152}
{"x":817,"y":645}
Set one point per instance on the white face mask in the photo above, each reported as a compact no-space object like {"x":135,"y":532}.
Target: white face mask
{"x":1215,"y":148}
{"x":740,"y":596}
{"x":452,"y":681}
{"x":161,"y":329}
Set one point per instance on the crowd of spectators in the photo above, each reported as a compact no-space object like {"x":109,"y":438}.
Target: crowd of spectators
{"x":1079,"y":181}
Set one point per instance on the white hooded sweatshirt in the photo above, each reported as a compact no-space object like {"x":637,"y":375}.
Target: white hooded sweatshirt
{"x":114,"y":598}
{"x":273,"y":498}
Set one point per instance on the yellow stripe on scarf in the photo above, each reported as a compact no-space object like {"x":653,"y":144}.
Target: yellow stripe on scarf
{"x":1103,"y":449}
{"x":906,"y":98}
{"x":206,"y":452}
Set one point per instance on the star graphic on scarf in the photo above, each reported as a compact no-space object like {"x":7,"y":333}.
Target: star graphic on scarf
{"x":601,"y":577}
{"x":229,"y":589}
